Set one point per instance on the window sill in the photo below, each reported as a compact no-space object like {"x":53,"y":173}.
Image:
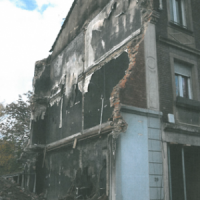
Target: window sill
{"x":188,"y":103}
{"x":180,"y":28}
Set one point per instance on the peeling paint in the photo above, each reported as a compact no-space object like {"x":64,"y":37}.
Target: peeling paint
{"x":57,"y":65}
{"x":38,"y":112}
{"x":112,"y":37}
{"x":57,"y":91}
{"x":98,"y":25}
{"x":61,"y":109}
{"x":84,"y":87}
{"x":72,"y":68}
{"x":101,"y":28}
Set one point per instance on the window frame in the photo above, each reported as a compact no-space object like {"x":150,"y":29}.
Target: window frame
{"x":177,"y":12}
{"x":186,"y":151}
{"x":179,"y":86}
{"x":186,"y":14}
{"x":194,"y":82}
{"x":181,"y":76}
{"x":191,"y":61}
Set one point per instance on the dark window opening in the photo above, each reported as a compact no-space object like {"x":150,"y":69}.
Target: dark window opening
{"x":179,"y":12}
{"x":184,"y":172}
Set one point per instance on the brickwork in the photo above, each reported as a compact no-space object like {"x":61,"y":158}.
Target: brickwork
{"x":164,"y":69}
{"x":134,"y":92}
{"x":163,"y":55}
{"x":196,"y":22}
{"x":161,"y":25}
{"x":165,"y":80}
{"x":196,"y":25}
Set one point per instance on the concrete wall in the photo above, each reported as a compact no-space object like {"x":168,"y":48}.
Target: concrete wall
{"x":139,"y":156}
{"x":73,"y":89}
{"x":115,"y":23}
{"x":79,"y":172}
{"x":85,"y":82}
{"x":79,"y":16}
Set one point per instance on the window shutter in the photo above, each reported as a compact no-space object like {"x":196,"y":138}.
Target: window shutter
{"x":182,"y":69}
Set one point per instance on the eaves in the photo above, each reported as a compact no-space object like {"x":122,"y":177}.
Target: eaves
{"x":66,"y":20}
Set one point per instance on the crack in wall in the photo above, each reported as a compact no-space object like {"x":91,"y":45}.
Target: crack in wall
{"x":119,"y":123}
{"x":66,"y":88}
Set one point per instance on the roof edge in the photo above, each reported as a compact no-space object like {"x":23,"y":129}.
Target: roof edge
{"x":62,"y":27}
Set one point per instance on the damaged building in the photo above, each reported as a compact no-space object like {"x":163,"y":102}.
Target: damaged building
{"x":116,"y":105}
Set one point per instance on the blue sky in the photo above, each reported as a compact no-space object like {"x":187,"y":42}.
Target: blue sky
{"x":28,"y":30}
{"x":30,"y":5}
{"x":26,"y":4}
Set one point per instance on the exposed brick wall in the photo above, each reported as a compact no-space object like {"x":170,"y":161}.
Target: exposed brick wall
{"x":165,"y":80}
{"x":163,"y":57}
{"x":134,"y":92}
{"x":161,"y":25}
{"x":164,"y":68}
{"x":195,"y":6}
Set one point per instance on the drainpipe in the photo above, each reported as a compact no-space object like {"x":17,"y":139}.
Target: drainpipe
{"x":34,"y":188}
{"x":184,"y":178}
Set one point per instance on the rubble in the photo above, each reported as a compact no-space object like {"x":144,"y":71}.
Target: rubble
{"x":12,"y":191}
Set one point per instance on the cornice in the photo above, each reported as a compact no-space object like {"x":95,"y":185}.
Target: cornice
{"x":154,"y":17}
{"x":179,"y":46}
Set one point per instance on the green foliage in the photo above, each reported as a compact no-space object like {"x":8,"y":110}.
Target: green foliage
{"x":1,"y":109}
{"x":15,"y":127}
{"x":14,"y":130}
{"x":8,"y":161}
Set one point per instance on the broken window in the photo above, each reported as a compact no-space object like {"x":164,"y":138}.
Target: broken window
{"x":183,"y":80}
{"x":184,"y":172}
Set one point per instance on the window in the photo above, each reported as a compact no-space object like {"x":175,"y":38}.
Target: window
{"x":184,"y":172}
{"x":183,"y":80}
{"x":177,"y":12}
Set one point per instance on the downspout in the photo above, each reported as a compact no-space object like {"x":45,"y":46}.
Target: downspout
{"x":83,"y":96}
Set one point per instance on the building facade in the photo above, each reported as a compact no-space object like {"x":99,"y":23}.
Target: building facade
{"x":116,"y":104}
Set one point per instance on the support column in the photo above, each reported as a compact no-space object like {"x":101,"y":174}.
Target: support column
{"x":184,"y":181}
{"x":169,"y":169}
{"x":34,"y":188}
{"x":22,"y":180}
{"x":151,"y":65}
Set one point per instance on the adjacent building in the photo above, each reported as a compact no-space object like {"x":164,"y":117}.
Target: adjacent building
{"x":116,"y":104}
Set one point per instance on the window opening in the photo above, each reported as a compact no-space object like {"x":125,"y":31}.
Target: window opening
{"x":184,"y":172}
{"x":183,"y":80}
{"x":177,"y":12}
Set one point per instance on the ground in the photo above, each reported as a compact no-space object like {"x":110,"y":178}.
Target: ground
{"x":12,"y":191}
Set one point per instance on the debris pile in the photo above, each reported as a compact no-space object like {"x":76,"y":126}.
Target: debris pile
{"x":12,"y":191}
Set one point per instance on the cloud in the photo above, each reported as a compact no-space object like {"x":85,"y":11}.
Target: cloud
{"x":26,"y":36}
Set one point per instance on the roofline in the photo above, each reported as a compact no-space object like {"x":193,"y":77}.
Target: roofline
{"x":62,"y":27}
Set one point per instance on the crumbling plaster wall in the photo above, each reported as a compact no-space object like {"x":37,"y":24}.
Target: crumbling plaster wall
{"x":115,"y":23}
{"x":88,"y":91}
{"x":84,"y":177}
{"x":78,"y":18}
{"x":73,"y":76}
